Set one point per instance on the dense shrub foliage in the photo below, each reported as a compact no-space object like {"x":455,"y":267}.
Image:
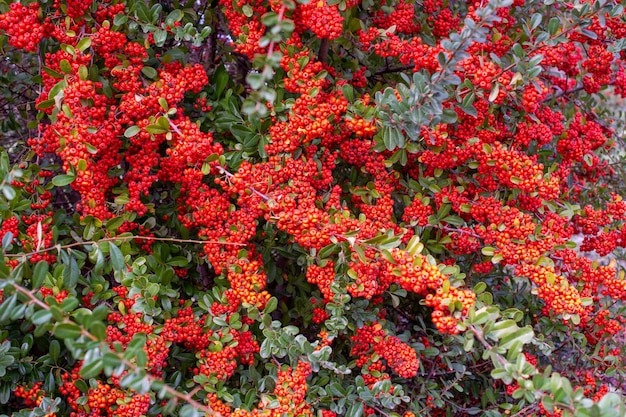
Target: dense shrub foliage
{"x":332,"y":208}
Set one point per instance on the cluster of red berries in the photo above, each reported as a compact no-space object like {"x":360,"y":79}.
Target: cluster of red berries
{"x":9,"y":225}
{"x":580,"y":139}
{"x":106,"y":42}
{"x":103,"y":400}
{"x":399,"y":356}
{"x":529,"y":131}
{"x":73,"y":8}
{"x":444,"y":23}
{"x":402,"y":17}
{"x":417,"y":212}
{"x":215,"y":357}
{"x":533,"y":96}
{"x":565,"y":57}
{"x":247,"y":281}
{"x":321,"y":18}
{"x":246,"y":28}
{"x":156,"y":142}
{"x":23,"y":26}
{"x":559,"y":296}
{"x":410,"y":52}
{"x":59,"y":295}
{"x":323,"y":277}
{"x":361,"y":127}
{"x":29,"y":395}
{"x":598,"y":65}
{"x":39,"y":227}
{"x":507,"y":229}
{"x":371,"y":278}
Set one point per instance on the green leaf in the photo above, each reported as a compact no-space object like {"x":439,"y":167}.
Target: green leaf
{"x":503,"y":328}
{"x":67,"y":331}
{"x":46,"y":104}
{"x":92,"y":364}
{"x":53,"y":73}
{"x":136,"y":344}
{"x":355,"y":410}
{"x":175,"y":15}
{"x":328,"y":250}
{"x":449,"y":116}
{"x":480,"y":288}
{"x":499,"y":373}
{"x":485,"y":315}
{"x":83,"y":44}
{"x":535,"y":21}
{"x":111,"y":360}
{"x":120,"y":20}
{"x":39,"y":273}
{"x":117,"y":259}
{"x":518,"y":50}
{"x":6,"y":360}
{"x":63,"y":180}
{"x":163,"y":122}
{"x":553,"y":26}
{"x":220,"y":80}
{"x":156,"y":129}
{"x":41,"y":317}
{"x":9,"y":192}
{"x":255,"y":80}
{"x":178,"y":261}
{"x":65,"y":66}
{"x":54,"y":348}
{"x":132,"y":131}
{"x":188,"y":410}
{"x":57,"y":90}
{"x":149,"y":72}
{"x":114,"y":223}
{"x":6,"y":308}
{"x":269,"y":19}
{"x":453,"y":220}
{"x":469,"y":109}
{"x":160,"y":36}
{"x":523,"y":335}
{"x":71,"y":271}
{"x":247,"y":10}
{"x":488,"y":251}
{"x":271,"y":305}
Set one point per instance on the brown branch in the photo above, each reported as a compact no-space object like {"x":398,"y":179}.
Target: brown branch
{"x":118,"y":238}
{"x":395,"y":69}
{"x":322,"y":55}
{"x":564,"y":93}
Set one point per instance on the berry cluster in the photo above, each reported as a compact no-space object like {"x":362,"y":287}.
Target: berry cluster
{"x":23,"y":26}
{"x":599,"y":67}
{"x":399,"y":356}
{"x":417,"y":212}
{"x":319,"y":17}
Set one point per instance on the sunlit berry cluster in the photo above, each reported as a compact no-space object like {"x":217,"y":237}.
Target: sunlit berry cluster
{"x":399,"y":356}
{"x":23,"y":26}
{"x":321,"y":18}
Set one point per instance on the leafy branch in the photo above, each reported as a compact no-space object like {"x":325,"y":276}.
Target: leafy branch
{"x":93,"y":364}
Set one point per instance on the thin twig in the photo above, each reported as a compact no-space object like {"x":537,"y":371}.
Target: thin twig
{"x":118,"y":238}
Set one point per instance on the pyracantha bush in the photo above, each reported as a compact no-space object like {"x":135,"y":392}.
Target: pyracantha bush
{"x":332,"y":208}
